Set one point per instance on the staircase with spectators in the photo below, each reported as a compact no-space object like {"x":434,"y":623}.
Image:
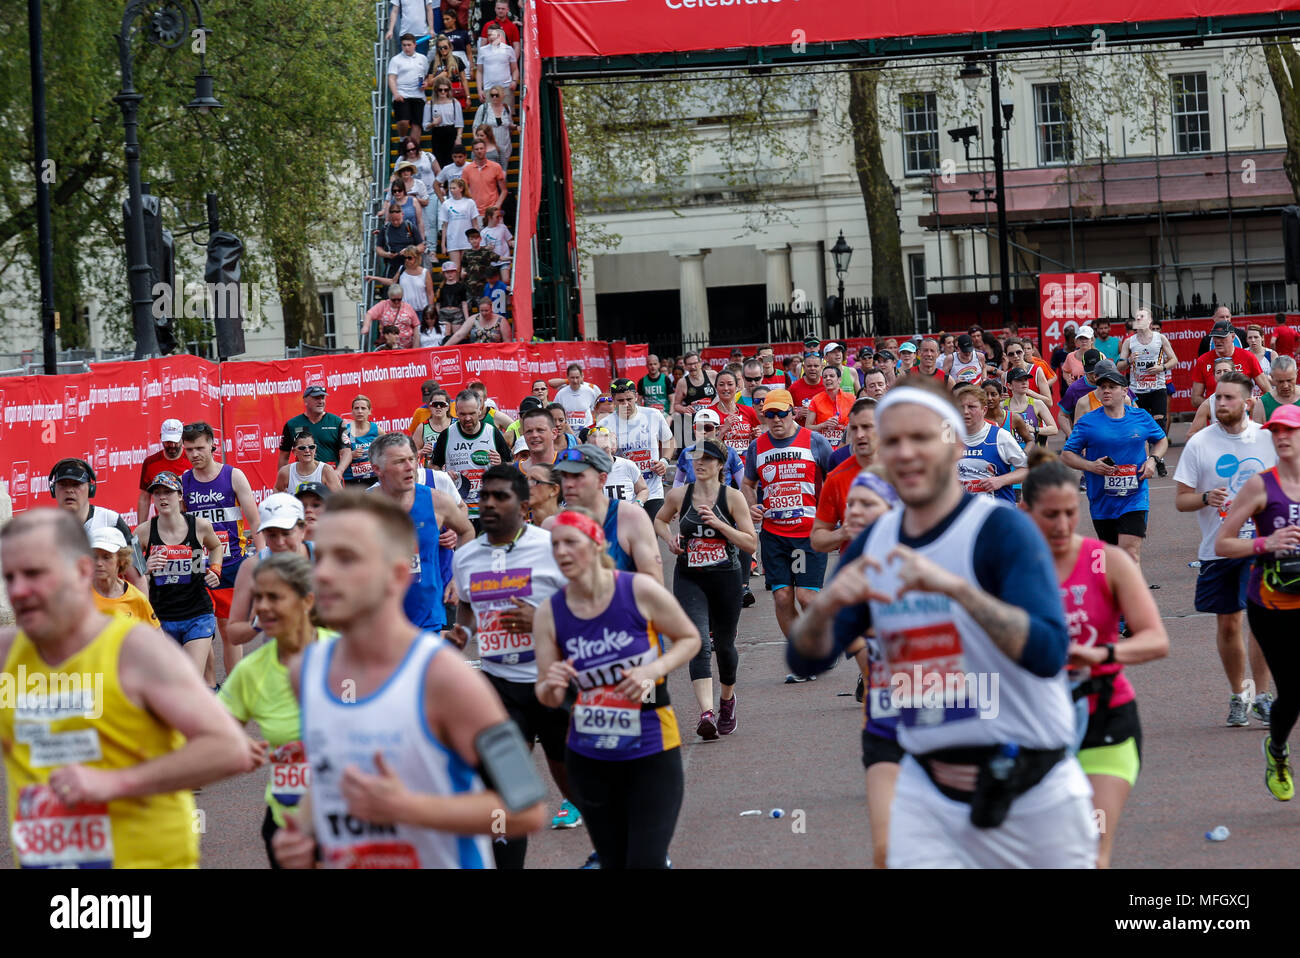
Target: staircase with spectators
{"x":384,"y":151}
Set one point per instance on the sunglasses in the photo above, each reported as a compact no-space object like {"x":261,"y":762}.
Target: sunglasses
{"x":598,"y":431}
{"x":707,"y":427}
{"x":777,"y":414}
{"x":438,"y":405}
{"x":305,"y":448}
{"x":571,"y":455}
{"x":541,"y":482}
{"x":753,"y":379}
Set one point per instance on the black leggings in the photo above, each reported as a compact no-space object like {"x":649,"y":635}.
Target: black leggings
{"x":630,"y":807}
{"x":1275,"y":631}
{"x":269,"y":828}
{"x":712,"y":602}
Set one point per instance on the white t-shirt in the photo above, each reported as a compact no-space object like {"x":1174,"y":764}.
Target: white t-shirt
{"x":1215,"y":458}
{"x":452,"y":172}
{"x":639,"y":440}
{"x":621,"y":481}
{"x":495,"y":60}
{"x":498,"y":238}
{"x":413,"y":18}
{"x":489,"y":577}
{"x":410,"y":73}
{"x":459,"y":217}
{"x":578,"y":403}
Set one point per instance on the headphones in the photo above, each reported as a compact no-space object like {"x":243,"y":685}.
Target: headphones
{"x":87,"y":471}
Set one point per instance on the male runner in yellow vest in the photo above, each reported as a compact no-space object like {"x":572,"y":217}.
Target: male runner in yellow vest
{"x":104,"y":724}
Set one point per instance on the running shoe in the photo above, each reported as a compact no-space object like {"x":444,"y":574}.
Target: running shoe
{"x":1161,"y":469}
{"x":1238,"y":711}
{"x":592,"y":862}
{"x":860,"y":692}
{"x":567,"y":817}
{"x":1262,"y":707}
{"x":727,"y":715}
{"x":708,"y":727}
{"x":793,"y":679}
{"x":747,"y":598}
{"x":1277,"y":772}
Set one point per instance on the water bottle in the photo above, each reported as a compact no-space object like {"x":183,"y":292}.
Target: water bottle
{"x":1219,"y":834}
{"x":1000,"y":765}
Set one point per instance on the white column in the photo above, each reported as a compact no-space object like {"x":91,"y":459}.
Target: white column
{"x":808,"y":273}
{"x":776,"y":260}
{"x":694,"y":293}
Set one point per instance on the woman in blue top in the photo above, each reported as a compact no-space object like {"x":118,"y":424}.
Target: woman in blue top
{"x":1121,"y":444}
{"x":603,"y":635}
{"x":362,"y":432}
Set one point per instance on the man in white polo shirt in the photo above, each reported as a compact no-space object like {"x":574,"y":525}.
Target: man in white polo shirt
{"x":577,"y":397}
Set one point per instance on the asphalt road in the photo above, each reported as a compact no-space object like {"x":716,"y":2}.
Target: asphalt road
{"x":797,"y":748}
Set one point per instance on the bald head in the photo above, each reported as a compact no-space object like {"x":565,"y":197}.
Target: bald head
{"x":66,"y":533}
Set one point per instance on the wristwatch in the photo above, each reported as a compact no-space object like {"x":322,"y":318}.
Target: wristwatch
{"x":1110,"y":655}
{"x":1205,"y":498}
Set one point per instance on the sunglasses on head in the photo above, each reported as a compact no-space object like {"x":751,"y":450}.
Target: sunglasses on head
{"x":777,"y":413}
{"x":571,"y":455}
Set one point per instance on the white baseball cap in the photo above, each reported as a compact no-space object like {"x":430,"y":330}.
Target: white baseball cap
{"x":108,"y":538}
{"x":280,"y":511}
{"x":1084,"y":332}
{"x":829,"y":346}
{"x":172,"y":430}
{"x":519,"y":446}
{"x":708,"y":415}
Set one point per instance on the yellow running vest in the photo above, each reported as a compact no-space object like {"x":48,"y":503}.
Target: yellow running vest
{"x":77,"y":713}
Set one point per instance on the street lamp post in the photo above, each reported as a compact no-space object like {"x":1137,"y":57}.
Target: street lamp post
{"x":44,"y":236}
{"x":841,"y":253}
{"x":166,"y":24}
{"x":970,"y":75}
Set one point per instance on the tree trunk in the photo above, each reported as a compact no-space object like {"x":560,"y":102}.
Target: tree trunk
{"x":299,"y":299}
{"x":1284,"y":69}
{"x":888,"y":278}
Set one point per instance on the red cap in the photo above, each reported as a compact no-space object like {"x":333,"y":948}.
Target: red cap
{"x":1288,"y":416}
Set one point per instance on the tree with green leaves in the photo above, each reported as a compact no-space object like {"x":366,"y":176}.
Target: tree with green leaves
{"x":288,"y":156}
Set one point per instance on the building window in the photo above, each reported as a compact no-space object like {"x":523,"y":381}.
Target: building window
{"x":1266,"y":297}
{"x":920,"y":306}
{"x":1052,"y":116}
{"x":1190,"y":94}
{"x":920,"y":133}
{"x":327,"y":310}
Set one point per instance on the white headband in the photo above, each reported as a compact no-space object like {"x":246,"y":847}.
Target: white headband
{"x":919,"y":397}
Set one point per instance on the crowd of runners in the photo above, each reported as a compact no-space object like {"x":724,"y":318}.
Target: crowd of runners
{"x":503,"y":569}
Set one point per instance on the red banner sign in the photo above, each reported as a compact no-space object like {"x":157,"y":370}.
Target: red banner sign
{"x":111,"y":417}
{"x":596,"y":28}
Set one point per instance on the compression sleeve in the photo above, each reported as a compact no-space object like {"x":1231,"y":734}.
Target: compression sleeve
{"x":849,"y":623}
{"x":440,"y":449}
{"x":1012,"y":563}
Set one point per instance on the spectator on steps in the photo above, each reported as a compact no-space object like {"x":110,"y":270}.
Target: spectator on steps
{"x":460,"y":213}
{"x":394,"y":311}
{"x":445,"y":65}
{"x":406,"y":84}
{"x":496,"y":116}
{"x":497,"y":66}
{"x":445,"y":120}
{"x":398,"y":233}
{"x":485,"y":180}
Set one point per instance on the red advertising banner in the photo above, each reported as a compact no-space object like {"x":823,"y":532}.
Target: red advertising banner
{"x":1065,"y":301}
{"x":596,"y":28}
{"x":110,"y":416}
{"x":630,"y":361}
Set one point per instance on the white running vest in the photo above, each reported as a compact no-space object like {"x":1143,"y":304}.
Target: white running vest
{"x":927,"y":637}
{"x":297,"y":480}
{"x":971,"y":372}
{"x":389,"y":720}
{"x":1144,"y":361}
{"x":469,"y":457}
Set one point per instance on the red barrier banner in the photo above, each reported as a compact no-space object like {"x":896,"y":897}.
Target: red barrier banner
{"x":258,"y":398}
{"x":110,"y":416}
{"x":630,"y":361}
{"x":598,"y":28}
